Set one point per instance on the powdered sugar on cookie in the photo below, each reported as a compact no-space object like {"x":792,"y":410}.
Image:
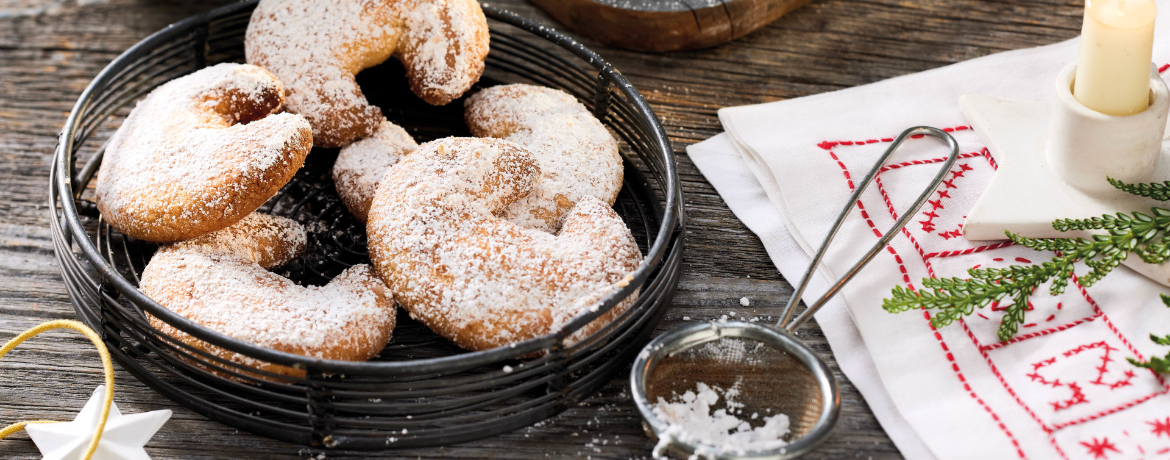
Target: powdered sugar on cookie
{"x":576,"y":154}
{"x":316,"y":48}
{"x":479,"y":280}
{"x":265,"y":240}
{"x":446,"y":47}
{"x":362,"y":164}
{"x":199,"y":153}
{"x":220,"y":281}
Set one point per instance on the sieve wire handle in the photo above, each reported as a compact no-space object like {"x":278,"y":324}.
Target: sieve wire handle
{"x":882,"y":242}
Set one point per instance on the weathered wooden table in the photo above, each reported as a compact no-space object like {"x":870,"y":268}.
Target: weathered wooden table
{"x":50,"y":49}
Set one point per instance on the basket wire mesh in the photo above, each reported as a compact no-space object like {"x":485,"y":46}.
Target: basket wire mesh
{"x":422,"y":390}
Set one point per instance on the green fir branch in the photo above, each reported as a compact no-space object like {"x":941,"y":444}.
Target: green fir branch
{"x":1159,"y":365}
{"x":1156,"y":364}
{"x":1160,"y":192}
{"x":1147,"y":236}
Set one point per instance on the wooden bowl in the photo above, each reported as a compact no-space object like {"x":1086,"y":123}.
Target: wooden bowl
{"x":666,"y":25}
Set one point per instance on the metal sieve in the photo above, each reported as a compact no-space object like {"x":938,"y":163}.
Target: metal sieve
{"x":771,"y":370}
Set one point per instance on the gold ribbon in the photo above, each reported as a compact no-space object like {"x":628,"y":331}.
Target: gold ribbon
{"x":106,"y":364}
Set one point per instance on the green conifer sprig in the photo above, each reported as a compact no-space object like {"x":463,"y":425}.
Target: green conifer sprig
{"x":1159,"y":365}
{"x":952,"y":298}
{"x":1160,"y":192}
{"x":1147,"y":236}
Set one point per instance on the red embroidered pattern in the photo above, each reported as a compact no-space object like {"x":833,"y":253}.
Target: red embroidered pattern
{"x":1104,"y":367}
{"x":998,"y":376}
{"x":1032,"y":335}
{"x":943,"y":193}
{"x":827,"y":145}
{"x":1098,"y":447}
{"x":1161,"y":427}
{"x":1078,"y":396}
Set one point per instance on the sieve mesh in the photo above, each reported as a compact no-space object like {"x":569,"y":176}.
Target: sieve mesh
{"x":769,"y":380}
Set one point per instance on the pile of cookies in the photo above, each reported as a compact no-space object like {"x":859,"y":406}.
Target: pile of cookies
{"x":487,"y":240}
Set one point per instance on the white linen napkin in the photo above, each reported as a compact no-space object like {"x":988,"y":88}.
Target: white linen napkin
{"x":1061,"y":389}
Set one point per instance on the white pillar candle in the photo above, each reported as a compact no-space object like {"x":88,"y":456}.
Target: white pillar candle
{"x":1117,"y":41}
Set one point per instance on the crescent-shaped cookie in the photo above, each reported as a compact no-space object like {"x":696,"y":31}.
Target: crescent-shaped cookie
{"x":317,"y":47}
{"x":436,"y":239}
{"x":362,"y":164}
{"x":576,"y":154}
{"x":221,"y":281}
{"x":199,"y":153}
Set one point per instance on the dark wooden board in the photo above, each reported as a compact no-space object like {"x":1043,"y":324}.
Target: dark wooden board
{"x":666,"y":25}
{"x":50,"y":49}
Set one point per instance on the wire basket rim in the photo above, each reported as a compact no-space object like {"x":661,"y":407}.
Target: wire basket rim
{"x":669,"y":235}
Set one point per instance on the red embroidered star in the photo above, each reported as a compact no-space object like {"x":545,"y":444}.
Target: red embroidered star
{"x":944,"y":194}
{"x":935,"y":204}
{"x":1161,"y":427}
{"x":950,"y":183}
{"x":1098,"y":447}
{"x":957,"y":174}
{"x":965,"y":167}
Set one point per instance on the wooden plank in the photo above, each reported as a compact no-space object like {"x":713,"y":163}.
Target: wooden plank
{"x":49,"y":55}
{"x":666,"y":25}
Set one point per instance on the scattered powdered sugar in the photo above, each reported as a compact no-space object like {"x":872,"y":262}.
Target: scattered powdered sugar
{"x":477,"y":279}
{"x":362,"y":164}
{"x":576,"y":155}
{"x":692,"y":421}
{"x":317,"y":47}
{"x":185,"y":163}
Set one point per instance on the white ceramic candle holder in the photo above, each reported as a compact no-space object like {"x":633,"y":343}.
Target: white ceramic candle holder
{"x":1086,"y":146}
{"x":1054,"y":159}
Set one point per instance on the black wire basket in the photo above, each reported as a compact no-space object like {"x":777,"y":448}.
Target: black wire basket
{"x":422,"y":390}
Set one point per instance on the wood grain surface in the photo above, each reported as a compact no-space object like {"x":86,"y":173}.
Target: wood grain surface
{"x":666,"y":25}
{"x":50,"y":49}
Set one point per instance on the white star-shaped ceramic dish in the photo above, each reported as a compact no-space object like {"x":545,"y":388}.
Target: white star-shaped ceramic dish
{"x":123,"y":438}
{"x":1028,"y":191}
